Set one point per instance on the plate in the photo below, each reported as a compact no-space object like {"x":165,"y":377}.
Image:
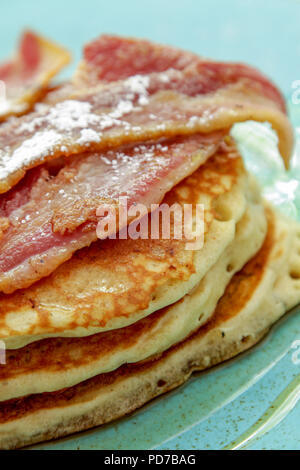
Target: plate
{"x":252,"y":401}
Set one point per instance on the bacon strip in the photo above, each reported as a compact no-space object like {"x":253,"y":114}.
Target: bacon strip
{"x":140,"y":108}
{"x":52,"y":212}
{"x":46,"y":218}
{"x":112,"y":58}
{"x":24,"y":77}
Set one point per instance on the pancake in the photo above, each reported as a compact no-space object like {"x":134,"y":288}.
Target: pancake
{"x":93,"y":329}
{"x":252,"y":302}
{"x":115,"y":283}
{"x":56,"y":363}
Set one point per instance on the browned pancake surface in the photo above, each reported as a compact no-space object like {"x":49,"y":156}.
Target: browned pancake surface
{"x":236,"y":296}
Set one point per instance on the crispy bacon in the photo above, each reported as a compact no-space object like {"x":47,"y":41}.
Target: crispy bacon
{"x":140,"y":108}
{"x":47,"y":217}
{"x":154,"y":95}
{"x":37,"y":61}
{"x":112,"y":58}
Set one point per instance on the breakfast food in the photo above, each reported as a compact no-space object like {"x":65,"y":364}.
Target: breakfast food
{"x":95,"y":324}
{"x":27,"y":76}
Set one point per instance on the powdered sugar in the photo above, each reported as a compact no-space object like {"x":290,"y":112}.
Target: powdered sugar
{"x":123,"y":108}
{"x":87,"y":136}
{"x":4,"y":106}
{"x":128,"y":172}
{"x":52,"y":129}
{"x":84,"y":123}
{"x":138,"y":84}
{"x":63,"y":117}
{"x":41,"y":144}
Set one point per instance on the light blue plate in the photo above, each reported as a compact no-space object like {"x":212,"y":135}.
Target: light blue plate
{"x":222,"y":407}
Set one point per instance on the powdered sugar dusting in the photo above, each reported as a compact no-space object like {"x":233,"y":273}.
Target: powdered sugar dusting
{"x":83,"y":123}
{"x":64,"y":117}
{"x":5,"y":106}
{"x":37,"y":146}
{"x":123,"y":108}
{"x":87,"y":136}
{"x":138,"y":84}
{"x":58,"y":128}
{"x":127,"y":170}
{"x":71,"y":115}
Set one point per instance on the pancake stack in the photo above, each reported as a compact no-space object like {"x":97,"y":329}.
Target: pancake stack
{"x":125,"y":320}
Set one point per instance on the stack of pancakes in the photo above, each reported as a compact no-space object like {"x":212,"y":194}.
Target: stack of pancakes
{"x":125,"y":320}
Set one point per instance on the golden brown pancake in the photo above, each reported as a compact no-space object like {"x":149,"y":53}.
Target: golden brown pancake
{"x":117,"y":282}
{"x":56,"y":363}
{"x":124,"y":321}
{"x":252,"y":302}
